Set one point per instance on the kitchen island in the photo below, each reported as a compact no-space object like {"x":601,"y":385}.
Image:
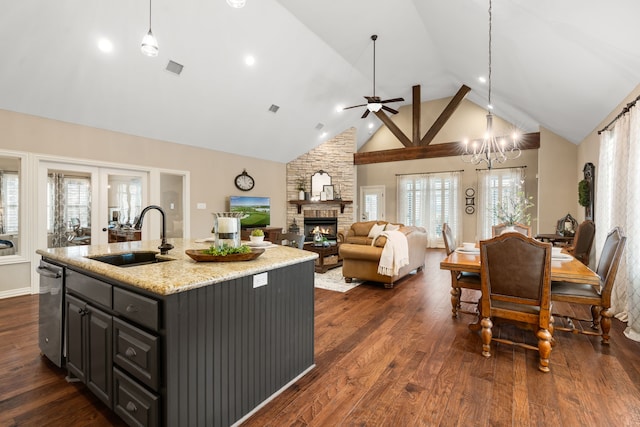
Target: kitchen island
{"x":180,"y":342}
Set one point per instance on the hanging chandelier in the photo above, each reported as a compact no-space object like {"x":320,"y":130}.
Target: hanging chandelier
{"x":492,"y":149}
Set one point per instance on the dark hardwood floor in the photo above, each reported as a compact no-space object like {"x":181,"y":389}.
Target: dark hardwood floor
{"x":385,"y":357}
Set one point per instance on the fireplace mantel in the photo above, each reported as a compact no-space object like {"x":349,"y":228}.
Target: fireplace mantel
{"x":342,"y":203}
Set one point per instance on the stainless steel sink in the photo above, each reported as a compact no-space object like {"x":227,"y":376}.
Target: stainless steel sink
{"x":130,"y":259}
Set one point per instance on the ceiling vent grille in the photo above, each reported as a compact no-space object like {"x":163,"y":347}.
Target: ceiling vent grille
{"x":274,"y":108}
{"x":319,"y":126}
{"x":174,"y":67}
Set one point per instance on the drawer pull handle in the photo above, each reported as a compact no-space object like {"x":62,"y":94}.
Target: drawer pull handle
{"x":130,"y":352}
{"x":131,"y":407}
{"x":131,"y":308}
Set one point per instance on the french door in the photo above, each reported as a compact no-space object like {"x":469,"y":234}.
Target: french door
{"x":79,"y":204}
{"x":372,"y":203}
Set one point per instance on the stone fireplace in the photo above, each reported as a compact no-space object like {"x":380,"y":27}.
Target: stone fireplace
{"x":328,"y":226}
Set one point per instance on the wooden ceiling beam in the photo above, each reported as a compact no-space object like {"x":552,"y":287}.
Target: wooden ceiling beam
{"x":444,"y":116}
{"x":395,"y":130}
{"x":529,"y":141}
{"x":416,"y":114}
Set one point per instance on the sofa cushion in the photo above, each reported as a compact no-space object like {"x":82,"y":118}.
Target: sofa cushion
{"x":392,"y":227}
{"x":376,"y":229}
{"x":362,"y":228}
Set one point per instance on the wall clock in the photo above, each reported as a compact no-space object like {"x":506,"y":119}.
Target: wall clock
{"x":244,"y":181}
{"x":469,"y":210}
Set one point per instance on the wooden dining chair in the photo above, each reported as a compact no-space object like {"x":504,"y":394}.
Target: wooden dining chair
{"x":459,"y":279}
{"x":582,"y":242}
{"x":292,"y":239}
{"x":496,"y":230}
{"x":516,"y":287}
{"x":599,"y":298}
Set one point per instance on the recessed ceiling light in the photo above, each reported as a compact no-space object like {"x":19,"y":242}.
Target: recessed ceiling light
{"x":482,"y":79}
{"x":323,"y":135}
{"x":250,"y":60}
{"x":339,"y":109}
{"x":370,"y":125}
{"x":105,"y":45}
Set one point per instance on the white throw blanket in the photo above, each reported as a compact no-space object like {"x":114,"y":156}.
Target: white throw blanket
{"x":395,"y":253}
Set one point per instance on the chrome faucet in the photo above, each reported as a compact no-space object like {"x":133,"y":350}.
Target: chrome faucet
{"x":164,"y":246}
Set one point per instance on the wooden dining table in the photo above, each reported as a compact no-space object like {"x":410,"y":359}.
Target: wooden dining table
{"x":566,"y":270}
{"x":569,"y":270}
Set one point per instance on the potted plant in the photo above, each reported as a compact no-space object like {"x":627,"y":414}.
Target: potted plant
{"x":513,"y":210}
{"x":257,"y":235}
{"x":301,"y":188}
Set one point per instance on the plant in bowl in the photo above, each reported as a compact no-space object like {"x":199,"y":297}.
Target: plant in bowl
{"x":257,"y":236}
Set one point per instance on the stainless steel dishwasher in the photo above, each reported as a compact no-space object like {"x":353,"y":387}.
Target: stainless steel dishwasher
{"x":51,"y":310}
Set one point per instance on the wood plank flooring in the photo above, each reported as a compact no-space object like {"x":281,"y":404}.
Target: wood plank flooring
{"x":385,"y":357}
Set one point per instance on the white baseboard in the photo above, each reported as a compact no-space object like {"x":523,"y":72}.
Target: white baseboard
{"x":15,"y":292}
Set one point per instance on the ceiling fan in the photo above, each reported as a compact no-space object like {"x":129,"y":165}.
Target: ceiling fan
{"x":374,"y":104}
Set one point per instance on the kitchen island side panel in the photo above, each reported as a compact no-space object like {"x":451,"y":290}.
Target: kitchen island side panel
{"x":230,"y":346}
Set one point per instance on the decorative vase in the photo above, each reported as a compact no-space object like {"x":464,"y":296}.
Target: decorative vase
{"x":508,"y":229}
{"x":301,"y":195}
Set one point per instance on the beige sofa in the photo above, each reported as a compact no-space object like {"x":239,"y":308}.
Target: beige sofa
{"x":360,"y":258}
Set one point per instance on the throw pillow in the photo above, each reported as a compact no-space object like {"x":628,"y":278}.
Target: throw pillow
{"x":392,"y":227}
{"x":375,"y":230}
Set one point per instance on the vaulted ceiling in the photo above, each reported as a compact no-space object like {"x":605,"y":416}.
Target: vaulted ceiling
{"x":563,"y":65}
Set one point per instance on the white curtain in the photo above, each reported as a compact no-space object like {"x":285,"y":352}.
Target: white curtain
{"x":494,"y":185}
{"x":618,"y":204}
{"x":430,"y":200}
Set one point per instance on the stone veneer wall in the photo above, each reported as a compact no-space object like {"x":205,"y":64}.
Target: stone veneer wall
{"x":334,"y":157}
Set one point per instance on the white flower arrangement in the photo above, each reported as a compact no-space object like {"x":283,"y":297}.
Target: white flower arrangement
{"x":513,"y":209}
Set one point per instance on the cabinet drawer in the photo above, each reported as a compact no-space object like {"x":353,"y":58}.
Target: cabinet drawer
{"x":136,"y":352}
{"x":134,"y":404}
{"x":135,"y":307}
{"x":89,"y":288}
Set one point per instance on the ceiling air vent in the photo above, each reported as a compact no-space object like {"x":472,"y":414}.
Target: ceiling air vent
{"x":319,"y":126}
{"x":274,"y":108}
{"x":174,"y":67}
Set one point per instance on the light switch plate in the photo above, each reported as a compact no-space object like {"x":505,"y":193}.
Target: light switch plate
{"x":260,"y":280}
{"x":201,"y":206}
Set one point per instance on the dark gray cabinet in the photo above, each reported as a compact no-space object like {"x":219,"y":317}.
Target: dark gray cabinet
{"x":204,"y":357}
{"x":89,"y":347}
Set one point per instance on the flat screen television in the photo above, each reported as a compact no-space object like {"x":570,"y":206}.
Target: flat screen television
{"x":256,"y":210}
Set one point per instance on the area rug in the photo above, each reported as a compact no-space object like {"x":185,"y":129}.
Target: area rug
{"x":332,"y":280}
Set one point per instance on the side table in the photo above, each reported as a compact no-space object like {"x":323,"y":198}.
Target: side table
{"x":324,"y":252}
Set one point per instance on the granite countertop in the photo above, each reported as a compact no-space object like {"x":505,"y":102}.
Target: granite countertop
{"x":180,"y":274}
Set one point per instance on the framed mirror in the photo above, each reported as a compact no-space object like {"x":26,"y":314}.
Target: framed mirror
{"x":318,"y":181}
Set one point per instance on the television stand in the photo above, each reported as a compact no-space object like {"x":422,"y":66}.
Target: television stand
{"x":270,"y":233}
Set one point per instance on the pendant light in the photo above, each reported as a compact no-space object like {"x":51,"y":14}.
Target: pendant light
{"x":149,"y":43}
{"x":491,"y":150}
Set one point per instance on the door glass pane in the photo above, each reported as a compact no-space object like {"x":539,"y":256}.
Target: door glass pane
{"x":9,"y":205}
{"x":124,"y":194}
{"x":68,"y":209}
{"x":171,"y":201}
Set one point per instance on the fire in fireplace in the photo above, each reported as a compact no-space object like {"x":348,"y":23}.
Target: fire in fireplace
{"x":327,"y":226}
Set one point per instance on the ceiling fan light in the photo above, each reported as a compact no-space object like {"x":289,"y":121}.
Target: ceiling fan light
{"x":149,"y":45}
{"x":236,"y":3}
{"x":374,"y":107}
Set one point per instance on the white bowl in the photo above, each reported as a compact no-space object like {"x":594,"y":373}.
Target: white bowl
{"x":468,"y":246}
{"x":556,"y":251}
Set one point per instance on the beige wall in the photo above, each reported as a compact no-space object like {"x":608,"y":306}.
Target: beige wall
{"x":212,"y":172}
{"x":469,"y":121}
{"x":558,"y":188}
{"x":589,"y":147}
